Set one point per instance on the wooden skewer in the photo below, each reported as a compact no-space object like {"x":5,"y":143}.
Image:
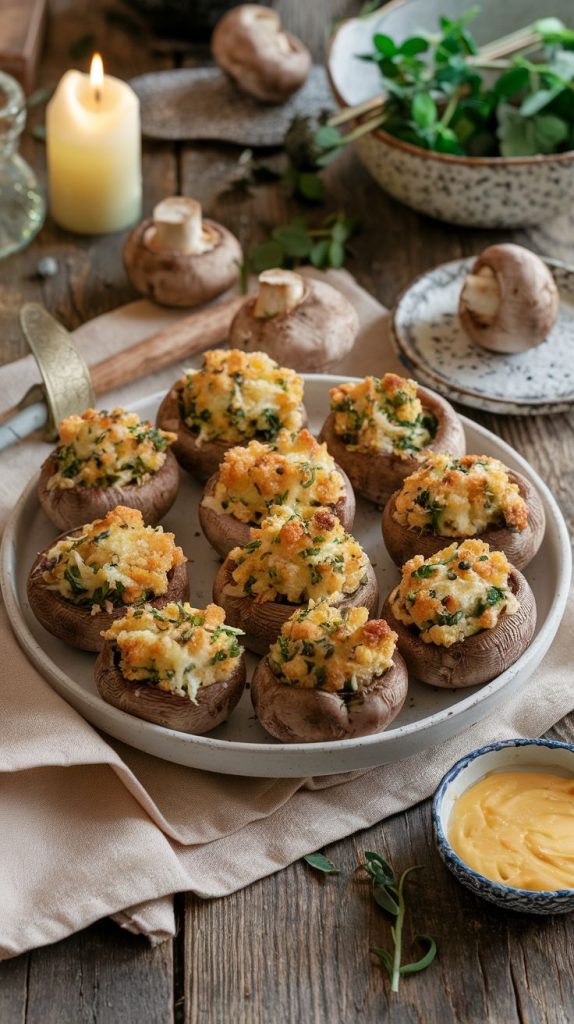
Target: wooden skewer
{"x":181,"y":340}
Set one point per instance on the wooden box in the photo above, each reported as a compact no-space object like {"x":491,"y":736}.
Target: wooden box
{"x":22,"y":25}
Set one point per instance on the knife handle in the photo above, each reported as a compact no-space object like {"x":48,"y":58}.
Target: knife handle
{"x":186,"y":338}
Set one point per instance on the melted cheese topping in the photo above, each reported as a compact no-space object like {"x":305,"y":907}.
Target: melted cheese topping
{"x":323,"y":648}
{"x":295,"y":471}
{"x":178,"y":649}
{"x":108,"y":449}
{"x":297,"y":558}
{"x":460,"y":497}
{"x":382,"y":414}
{"x":457,"y":592}
{"x":113,"y":561}
{"x":236,"y":396}
{"x":517,"y":828}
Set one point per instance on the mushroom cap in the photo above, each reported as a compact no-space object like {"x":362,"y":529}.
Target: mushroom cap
{"x":519,"y":546}
{"x":245,"y":45}
{"x":476,"y":659}
{"x":312,"y":337}
{"x":295,"y":715}
{"x":214,"y":703}
{"x":225,"y":532}
{"x":261,"y":621}
{"x":376,"y":475}
{"x":70,"y":507}
{"x":528,"y":303}
{"x":181,"y":279}
{"x":202,"y":460}
{"x":75,"y":623}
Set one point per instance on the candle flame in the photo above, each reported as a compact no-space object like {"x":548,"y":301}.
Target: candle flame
{"x":97,"y":75}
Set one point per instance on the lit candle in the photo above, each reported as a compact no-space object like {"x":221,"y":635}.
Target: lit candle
{"x":93,"y":143}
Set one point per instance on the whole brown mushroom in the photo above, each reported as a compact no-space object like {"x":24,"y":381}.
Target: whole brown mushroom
{"x":263,"y":60}
{"x":214,"y":703}
{"x":307,"y":324}
{"x":376,"y":475}
{"x":176,"y":258}
{"x":509,"y":301}
{"x":403,"y":542}
{"x":476,"y":659}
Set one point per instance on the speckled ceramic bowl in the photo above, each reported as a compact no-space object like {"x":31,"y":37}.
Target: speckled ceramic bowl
{"x":541,"y":755}
{"x":493,"y":192}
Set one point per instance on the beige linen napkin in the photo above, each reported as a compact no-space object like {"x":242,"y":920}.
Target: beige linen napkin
{"x":90,"y":827}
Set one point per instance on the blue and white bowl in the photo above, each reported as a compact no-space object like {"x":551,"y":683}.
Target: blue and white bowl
{"x":540,"y":755}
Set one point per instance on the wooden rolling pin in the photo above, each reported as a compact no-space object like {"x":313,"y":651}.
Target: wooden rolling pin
{"x":184,"y":339}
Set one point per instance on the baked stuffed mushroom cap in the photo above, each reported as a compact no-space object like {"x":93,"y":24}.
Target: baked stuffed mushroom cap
{"x":331,"y":675}
{"x":200,"y":448}
{"x":197,"y":675}
{"x":481,"y":656}
{"x":376,"y":474}
{"x":66,"y":508}
{"x":81,"y":625}
{"x":519,"y":545}
{"x":261,"y":621}
{"x":224,"y":532}
{"x":105,"y":459}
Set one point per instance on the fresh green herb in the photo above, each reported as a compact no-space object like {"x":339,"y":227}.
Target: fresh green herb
{"x":321,"y":863}
{"x":437,"y":96}
{"x":324,"y":245}
{"x":389,"y":895}
{"x":424,"y":572}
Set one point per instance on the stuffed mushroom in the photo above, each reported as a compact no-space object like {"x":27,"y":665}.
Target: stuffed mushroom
{"x":234,"y":398}
{"x":83,"y":581}
{"x":330,"y":675}
{"x":104,"y":459}
{"x":294,"y":470}
{"x":380,"y":428}
{"x":473,"y":496}
{"x":180,"y":667}
{"x":462,"y":616}
{"x":291,"y":559}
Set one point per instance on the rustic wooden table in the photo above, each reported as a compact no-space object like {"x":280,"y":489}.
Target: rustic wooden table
{"x":293,"y":947}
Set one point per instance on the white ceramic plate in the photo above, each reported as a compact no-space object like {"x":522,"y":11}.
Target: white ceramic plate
{"x":241,"y":747}
{"x":431,"y":341}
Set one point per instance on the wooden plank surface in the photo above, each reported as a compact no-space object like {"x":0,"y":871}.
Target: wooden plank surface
{"x":293,"y":948}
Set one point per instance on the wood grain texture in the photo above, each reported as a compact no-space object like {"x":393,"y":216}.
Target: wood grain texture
{"x":293,"y":948}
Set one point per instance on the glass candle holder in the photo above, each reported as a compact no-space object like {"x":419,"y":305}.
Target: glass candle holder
{"x":22,"y":205}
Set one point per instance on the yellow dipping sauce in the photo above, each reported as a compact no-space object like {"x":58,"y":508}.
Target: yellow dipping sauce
{"x":517,"y":828}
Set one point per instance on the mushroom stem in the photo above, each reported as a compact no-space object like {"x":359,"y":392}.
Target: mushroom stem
{"x":481,"y":296}
{"x":178,"y":226}
{"x":280,"y":291}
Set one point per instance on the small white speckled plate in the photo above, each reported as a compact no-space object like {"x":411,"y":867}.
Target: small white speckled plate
{"x":240,"y":746}
{"x":433,"y":345}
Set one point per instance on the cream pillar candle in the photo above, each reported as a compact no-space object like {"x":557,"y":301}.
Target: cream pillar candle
{"x":93,"y":141}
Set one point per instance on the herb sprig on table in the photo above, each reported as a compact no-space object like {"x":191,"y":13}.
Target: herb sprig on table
{"x":389,"y":894}
{"x":513,"y":97}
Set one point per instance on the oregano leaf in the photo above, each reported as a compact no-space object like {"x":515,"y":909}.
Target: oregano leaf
{"x":321,"y":863}
{"x":425,"y":961}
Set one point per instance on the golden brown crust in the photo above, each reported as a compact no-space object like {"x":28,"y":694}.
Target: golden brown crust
{"x":294,"y":715}
{"x":225,"y":532}
{"x":202,"y":460}
{"x":214,"y":703}
{"x":261,"y":621}
{"x":477,"y":659}
{"x":520,"y":547}
{"x":376,"y":476}
{"x":70,"y":507}
{"x":74,"y":623}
